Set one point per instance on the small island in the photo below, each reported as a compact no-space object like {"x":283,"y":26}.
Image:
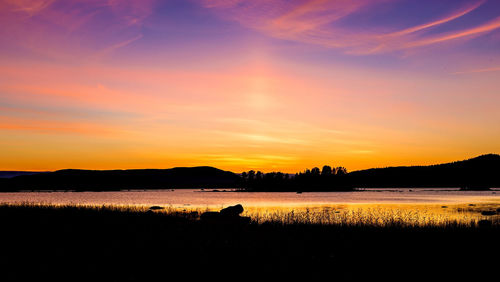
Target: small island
{"x":475,"y":188}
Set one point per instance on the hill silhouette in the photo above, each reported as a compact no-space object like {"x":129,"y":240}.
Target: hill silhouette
{"x":478,"y":173}
{"x":104,"y":180}
{"x":10,"y":174}
{"x":473,"y":174}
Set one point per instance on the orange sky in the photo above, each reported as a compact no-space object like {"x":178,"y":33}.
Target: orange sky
{"x":144,"y":84}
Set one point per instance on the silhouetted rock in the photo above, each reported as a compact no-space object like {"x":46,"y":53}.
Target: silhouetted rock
{"x":156,"y":208}
{"x":488,"y":212}
{"x":235,"y":210}
{"x":229,"y":215}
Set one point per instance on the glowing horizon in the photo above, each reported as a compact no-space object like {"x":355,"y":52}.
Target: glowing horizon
{"x":240,"y":85}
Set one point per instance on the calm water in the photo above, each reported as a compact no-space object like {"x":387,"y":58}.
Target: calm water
{"x":373,"y":206}
{"x":207,"y":199}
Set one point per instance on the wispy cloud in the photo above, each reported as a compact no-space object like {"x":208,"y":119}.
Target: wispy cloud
{"x":116,"y":46}
{"x":67,"y":29}
{"x":495,"y":69}
{"x":30,"y":7}
{"x":457,"y":14}
{"x":57,"y":126}
{"x":303,"y":21}
{"x":489,"y":26}
{"x":318,"y":22}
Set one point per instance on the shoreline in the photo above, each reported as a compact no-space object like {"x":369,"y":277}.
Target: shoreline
{"x":226,"y":190}
{"x":379,"y":215}
{"x":131,"y":245}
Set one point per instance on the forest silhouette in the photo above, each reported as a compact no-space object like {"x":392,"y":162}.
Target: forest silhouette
{"x":326,"y":179}
{"x":478,"y":173}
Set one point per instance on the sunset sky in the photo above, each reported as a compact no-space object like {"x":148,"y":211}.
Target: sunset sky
{"x":239,"y":85}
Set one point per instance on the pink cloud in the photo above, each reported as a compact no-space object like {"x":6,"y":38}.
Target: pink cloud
{"x":56,"y":126}
{"x":489,"y":26}
{"x":71,"y":29}
{"x":494,"y":69}
{"x":316,"y":22}
{"x":30,"y":7}
{"x":302,"y":21}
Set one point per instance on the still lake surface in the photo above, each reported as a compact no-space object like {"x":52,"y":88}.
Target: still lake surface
{"x":374,"y":206}
{"x":196,"y":198}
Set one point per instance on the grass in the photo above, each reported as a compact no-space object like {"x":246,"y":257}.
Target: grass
{"x":384,"y":216}
{"x":128,"y":243}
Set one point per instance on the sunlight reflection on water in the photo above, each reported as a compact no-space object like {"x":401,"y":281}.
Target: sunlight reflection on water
{"x":374,"y":206}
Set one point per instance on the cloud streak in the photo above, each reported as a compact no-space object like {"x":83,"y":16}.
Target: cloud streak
{"x":116,"y":46}
{"x":452,"y":16}
{"x":30,"y":7}
{"x":319,"y":22}
{"x":56,"y":126}
{"x":139,"y":83}
{"x":492,"y":25}
{"x":495,"y":69}
{"x":71,"y":29}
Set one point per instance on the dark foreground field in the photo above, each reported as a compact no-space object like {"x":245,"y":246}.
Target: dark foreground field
{"x":102,"y":244}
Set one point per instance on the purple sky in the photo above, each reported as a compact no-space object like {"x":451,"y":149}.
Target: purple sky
{"x":271,"y":85}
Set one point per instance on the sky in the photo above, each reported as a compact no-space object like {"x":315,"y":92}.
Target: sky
{"x":239,"y":85}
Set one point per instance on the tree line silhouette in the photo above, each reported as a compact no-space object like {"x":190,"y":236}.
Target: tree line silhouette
{"x":327,"y":179}
{"x":480,"y":173}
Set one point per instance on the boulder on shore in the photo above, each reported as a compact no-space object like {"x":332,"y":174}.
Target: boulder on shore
{"x":229,"y":215}
{"x":232,"y":210}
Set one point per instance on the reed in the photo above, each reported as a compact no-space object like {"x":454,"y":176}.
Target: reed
{"x":377,"y":216}
{"x":136,"y":243}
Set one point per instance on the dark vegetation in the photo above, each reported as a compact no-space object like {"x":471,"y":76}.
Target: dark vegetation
{"x":326,"y":179}
{"x":107,"y":180}
{"x":109,"y":244}
{"x":10,"y":174}
{"x":478,"y":173}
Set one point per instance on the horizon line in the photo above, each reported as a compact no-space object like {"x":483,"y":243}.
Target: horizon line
{"x":196,"y":166}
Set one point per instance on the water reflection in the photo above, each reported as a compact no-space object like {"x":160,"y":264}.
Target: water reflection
{"x":373,"y":206}
{"x":380,"y":214}
{"x":205,"y":199}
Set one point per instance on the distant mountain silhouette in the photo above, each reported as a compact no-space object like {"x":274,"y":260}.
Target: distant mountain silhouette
{"x":478,"y":173}
{"x":10,"y":174}
{"x":104,"y":180}
{"x":474,"y":174}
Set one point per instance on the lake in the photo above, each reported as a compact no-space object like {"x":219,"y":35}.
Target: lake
{"x":426,"y":205}
{"x":197,"y":198}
